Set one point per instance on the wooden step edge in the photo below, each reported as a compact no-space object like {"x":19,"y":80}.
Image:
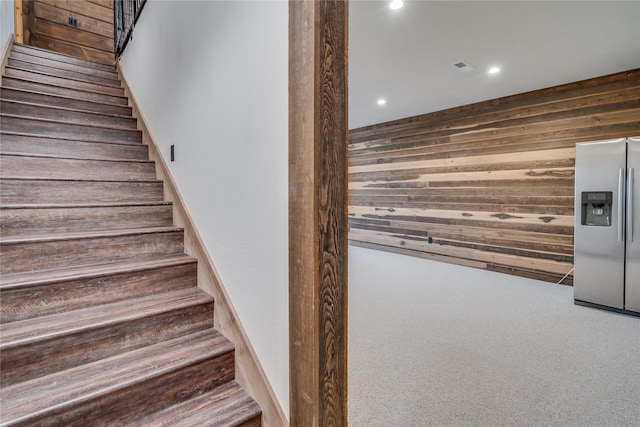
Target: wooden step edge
{"x":63,"y":55}
{"x":82,"y":205}
{"x":89,"y":235}
{"x":70,"y":68}
{"x":12,"y":281}
{"x":30,"y":135}
{"x":67,"y":88}
{"x":64,"y":122}
{"x":65,"y":78}
{"x":49,"y":156}
{"x":80,"y":76}
{"x":64,"y":97}
{"x":24,"y":401}
{"x":72,"y":110}
{"x":66,"y":157}
{"x":83,"y":180}
{"x":34,"y":59}
{"x":55,"y":326}
{"x":115,"y":181}
{"x":227,"y":404}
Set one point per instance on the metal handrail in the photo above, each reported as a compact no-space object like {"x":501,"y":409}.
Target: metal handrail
{"x":125,"y":16}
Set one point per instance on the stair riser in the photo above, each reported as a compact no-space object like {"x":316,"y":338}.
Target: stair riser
{"x":62,"y":91}
{"x":60,"y":81}
{"x":56,"y":101}
{"x":48,"y":221}
{"x":63,"y":65}
{"x":25,"y":362}
{"x":19,"y":144}
{"x":63,"y":58}
{"x":58,"y":72}
{"x":254,"y":422}
{"x":67,"y":116}
{"x":31,"y":256}
{"x":51,"y":298}
{"x":46,"y":192}
{"x":239,"y":410}
{"x":52,"y":168}
{"x":124,"y":406}
{"x":69,"y":131}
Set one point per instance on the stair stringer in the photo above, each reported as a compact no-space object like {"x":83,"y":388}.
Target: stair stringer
{"x":5,"y":54}
{"x":249,"y":372}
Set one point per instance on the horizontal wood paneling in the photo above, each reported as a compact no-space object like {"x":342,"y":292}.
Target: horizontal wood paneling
{"x":82,"y":7}
{"x":45,"y":12}
{"x":487,"y":185}
{"x":91,"y":39}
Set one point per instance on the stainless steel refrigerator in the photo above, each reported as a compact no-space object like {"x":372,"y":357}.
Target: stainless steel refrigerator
{"x":607,"y":225}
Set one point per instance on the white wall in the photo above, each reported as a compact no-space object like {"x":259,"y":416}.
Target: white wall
{"x":211,"y":77}
{"x":6,"y":23}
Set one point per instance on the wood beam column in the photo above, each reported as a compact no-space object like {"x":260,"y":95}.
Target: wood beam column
{"x":318,"y":212}
{"x":17,"y":22}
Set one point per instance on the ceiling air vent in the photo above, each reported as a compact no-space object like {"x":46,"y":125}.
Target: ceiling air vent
{"x":463,"y":66}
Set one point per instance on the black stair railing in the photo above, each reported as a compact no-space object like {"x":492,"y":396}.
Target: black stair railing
{"x":125,"y":16}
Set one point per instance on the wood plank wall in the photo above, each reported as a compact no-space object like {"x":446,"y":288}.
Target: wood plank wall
{"x":92,"y":38}
{"x":488,"y":185}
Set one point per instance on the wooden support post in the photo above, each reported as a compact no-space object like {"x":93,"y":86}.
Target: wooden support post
{"x":318,"y":212}
{"x":18,"y":25}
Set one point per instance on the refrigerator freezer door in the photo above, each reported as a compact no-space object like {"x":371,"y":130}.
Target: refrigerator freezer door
{"x":599,"y":246}
{"x":632,"y":285}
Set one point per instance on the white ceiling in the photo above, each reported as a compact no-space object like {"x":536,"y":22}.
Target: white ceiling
{"x":406,"y":55}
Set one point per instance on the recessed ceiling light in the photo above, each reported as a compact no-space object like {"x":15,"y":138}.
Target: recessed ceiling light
{"x":396,"y":4}
{"x":494,"y":70}
{"x":382,"y":101}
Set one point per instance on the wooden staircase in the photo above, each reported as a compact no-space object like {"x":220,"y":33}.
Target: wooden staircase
{"x":102,"y":322}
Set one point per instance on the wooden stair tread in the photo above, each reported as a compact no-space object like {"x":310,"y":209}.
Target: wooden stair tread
{"x":67,"y":109}
{"x":17,"y":191}
{"x":47,"y":167}
{"x":66,"y":157}
{"x":80,"y":205}
{"x":20,"y":82}
{"x":11,"y":71}
{"x":31,"y":167}
{"x":88,"y":382}
{"x":12,"y":281}
{"x":226,"y":405}
{"x":46,"y":292}
{"x":145,"y":181}
{"x":34,"y":221}
{"x":73,"y":322}
{"x":77,"y":75}
{"x":29,"y":57}
{"x":88,"y":235}
{"x":49,"y":156}
{"x":37,"y":51}
{"x":126,"y":110}
{"x":102,"y":130}
{"x":7,"y":137}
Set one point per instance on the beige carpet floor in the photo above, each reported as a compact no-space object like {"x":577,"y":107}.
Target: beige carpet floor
{"x":432,"y":344}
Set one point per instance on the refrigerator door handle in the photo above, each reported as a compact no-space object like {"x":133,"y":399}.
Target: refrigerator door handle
{"x":620,"y":205}
{"x":630,"y":205}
